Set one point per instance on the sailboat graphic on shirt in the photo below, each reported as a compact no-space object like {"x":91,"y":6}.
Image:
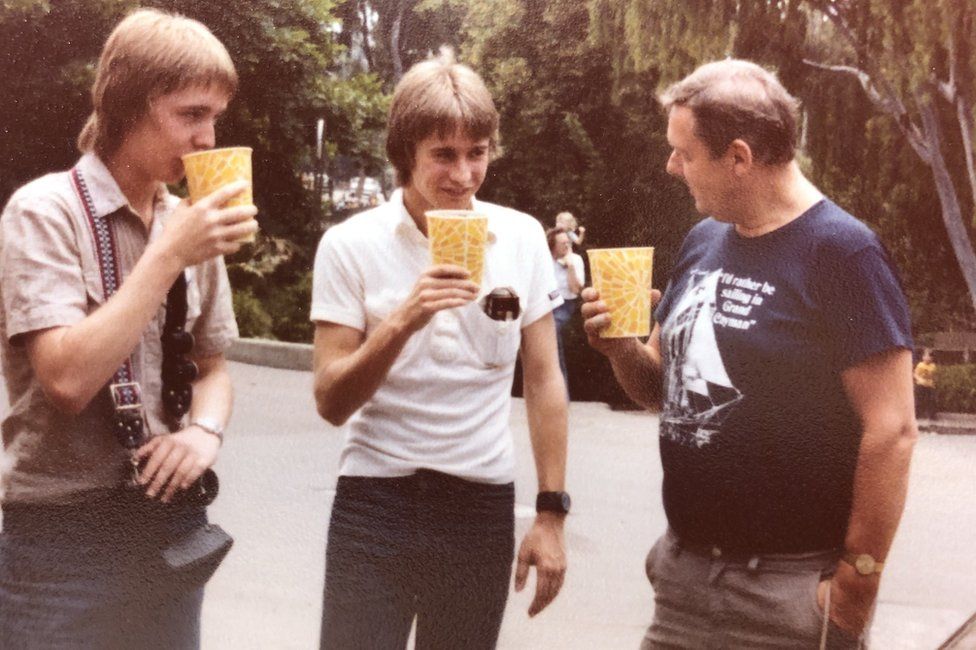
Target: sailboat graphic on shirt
{"x":699,"y":393}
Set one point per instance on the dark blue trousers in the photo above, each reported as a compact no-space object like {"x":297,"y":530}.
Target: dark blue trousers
{"x":90,"y":575}
{"x":429,"y":546}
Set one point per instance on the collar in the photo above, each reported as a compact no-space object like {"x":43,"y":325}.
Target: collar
{"x":106,"y":194}
{"x":406,"y":226}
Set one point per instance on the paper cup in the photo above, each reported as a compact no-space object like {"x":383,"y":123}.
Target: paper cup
{"x":623,"y":278}
{"x":458,"y":237}
{"x":208,"y":171}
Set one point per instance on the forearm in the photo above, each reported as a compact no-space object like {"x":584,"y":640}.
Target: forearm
{"x":880,"y":487}
{"x":75,"y":362}
{"x":638,"y":371}
{"x":213,"y":391}
{"x":344,"y":384}
{"x":575,"y":286}
{"x":545,"y":402}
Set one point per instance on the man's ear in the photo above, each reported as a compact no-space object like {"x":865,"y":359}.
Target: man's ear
{"x":739,"y":155}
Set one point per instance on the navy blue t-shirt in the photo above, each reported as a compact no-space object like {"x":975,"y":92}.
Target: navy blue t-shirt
{"x":758,"y":440}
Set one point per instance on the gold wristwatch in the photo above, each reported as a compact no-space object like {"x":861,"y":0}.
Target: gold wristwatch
{"x":863,"y":563}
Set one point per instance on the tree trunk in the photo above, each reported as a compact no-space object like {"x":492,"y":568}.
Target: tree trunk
{"x":955,"y":225}
{"x":395,"y":41}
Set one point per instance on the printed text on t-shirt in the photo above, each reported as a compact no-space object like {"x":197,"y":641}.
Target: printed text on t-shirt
{"x":738,"y":299}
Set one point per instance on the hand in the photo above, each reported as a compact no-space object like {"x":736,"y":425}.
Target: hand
{"x":176,"y":461}
{"x":542,"y":547}
{"x":596,"y":318}
{"x":581,"y":231}
{"x":206,"y":229}
{"x":851,"y":600}
{"x":440,"y":287}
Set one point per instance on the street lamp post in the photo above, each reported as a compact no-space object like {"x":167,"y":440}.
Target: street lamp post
{"x":319,"y":134}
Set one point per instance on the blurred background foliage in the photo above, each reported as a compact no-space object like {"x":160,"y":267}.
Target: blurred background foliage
{"x":887,"y":88}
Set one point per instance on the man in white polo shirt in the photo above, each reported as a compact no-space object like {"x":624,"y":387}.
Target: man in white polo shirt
{"x":423,"y":523}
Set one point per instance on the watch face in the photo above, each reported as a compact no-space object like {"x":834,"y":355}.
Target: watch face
{"x":864,"y":564}
{"x":566,"y":501}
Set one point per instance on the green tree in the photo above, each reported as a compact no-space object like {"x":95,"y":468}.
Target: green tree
{"x":858,"y":145}
{"x":289,"y":62}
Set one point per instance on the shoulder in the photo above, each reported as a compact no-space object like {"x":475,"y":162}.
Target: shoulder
{"x":369,"y":226}
{"x":50,"y":194}
{"x":838,"y":233}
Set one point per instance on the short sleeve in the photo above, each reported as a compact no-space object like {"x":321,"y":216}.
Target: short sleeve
{"x":337,"y":291}
{"x":865,"y":309}
{"x":41,"y":277}
{"x":543,"y":295}
{"x":580,"y":269}
{"x":216,"y":327}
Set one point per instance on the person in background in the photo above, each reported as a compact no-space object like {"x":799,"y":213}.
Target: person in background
{"x":570,"y":278}
{"x":87,"y":521}
{"x":576,"y":232}
{"x":925,"y":377}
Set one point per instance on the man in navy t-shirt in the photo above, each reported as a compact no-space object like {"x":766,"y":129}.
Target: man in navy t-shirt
{"x":782,"y":355}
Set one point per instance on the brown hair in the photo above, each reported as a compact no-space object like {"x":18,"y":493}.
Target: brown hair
{"x":736,"y":99}
{"x":150,"y":53}
{"x":551,"y":235}
{"x":437,"y":96}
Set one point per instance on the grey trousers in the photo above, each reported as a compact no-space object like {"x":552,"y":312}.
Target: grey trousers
{"x":705,"y":599}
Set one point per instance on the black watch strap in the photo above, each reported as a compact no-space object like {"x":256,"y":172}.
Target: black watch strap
{"x":558,"y":502}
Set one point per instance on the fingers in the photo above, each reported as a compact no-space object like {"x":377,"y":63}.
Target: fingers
{"x":655,"y":298}
{"x":179,"y":479}
{"x":446,"y":271}
{"x":549,"y":580}
{"x":521,"y":572}
{"x":161,"y":466}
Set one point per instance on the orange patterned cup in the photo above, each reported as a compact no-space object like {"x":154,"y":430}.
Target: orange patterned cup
{"x":623,"y":278}
{"x":458,"y":237}
{"x":208,"y":171}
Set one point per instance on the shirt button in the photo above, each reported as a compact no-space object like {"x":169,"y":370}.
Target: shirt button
{"x":716,"y":552}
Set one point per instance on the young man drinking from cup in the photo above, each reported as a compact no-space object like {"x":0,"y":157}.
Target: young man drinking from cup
{"x":114,"y":316}
{"x":419,"y":360}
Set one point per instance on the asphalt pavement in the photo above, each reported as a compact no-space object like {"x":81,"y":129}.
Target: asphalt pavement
{"x":278,"y":470}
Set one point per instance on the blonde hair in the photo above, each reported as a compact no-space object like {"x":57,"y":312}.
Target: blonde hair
{"x":566,"y":220}
{"x":438,"y":96}
{"x":736,"y":99}
{"x":149,"y":54}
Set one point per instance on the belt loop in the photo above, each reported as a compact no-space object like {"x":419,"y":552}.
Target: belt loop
{"x":753,"y":564}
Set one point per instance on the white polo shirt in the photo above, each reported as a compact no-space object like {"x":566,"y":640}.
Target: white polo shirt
{"x":562,"y":276}
{"x":445,"y":403}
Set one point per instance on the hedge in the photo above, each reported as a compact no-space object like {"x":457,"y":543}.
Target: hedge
{"x":956,"y":388}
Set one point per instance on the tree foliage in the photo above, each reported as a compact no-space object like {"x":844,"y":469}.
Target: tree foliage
{"x":887,"y":89}
{"x":288,"y":59}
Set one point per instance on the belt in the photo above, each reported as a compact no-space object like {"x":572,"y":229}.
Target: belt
{"x":753,"y":560}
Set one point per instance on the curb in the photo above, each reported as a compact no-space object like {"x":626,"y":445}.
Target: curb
{"x":272,"y":354}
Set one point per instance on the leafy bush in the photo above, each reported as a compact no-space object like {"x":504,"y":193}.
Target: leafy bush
{"x":956,"y":388}
{"x":253,"y":320}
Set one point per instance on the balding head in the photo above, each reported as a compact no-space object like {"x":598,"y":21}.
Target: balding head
{"x":735,"y":99}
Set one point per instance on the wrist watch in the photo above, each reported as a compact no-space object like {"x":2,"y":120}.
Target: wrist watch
{"x":558,"y":502}
{"x":211,"y":426}
{"x":863,"y":563}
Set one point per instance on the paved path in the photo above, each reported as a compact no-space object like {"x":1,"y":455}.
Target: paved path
{"x":279,"y":467}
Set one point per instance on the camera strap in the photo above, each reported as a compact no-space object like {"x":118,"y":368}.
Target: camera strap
{"x":131,"y":426}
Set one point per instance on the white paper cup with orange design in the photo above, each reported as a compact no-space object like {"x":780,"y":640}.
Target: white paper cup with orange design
{"x":208,"y":171}
{"x":458,"y":237}
{"x":622,"y":276}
